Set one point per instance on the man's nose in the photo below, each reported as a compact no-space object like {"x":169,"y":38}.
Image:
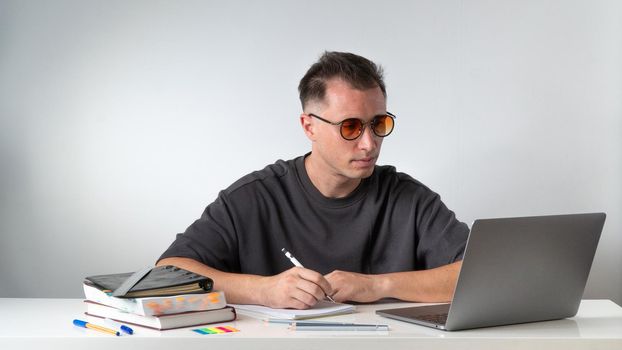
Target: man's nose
{"x":368,"y":139}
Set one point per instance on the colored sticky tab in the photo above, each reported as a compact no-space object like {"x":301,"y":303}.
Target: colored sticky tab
{"x":205,"y":331}
{"x":224,"y":329}
{"x":216,"y":330}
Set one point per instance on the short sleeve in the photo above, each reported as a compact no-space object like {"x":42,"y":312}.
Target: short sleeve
{"x":441,"y":237}
{"x":210,"y":240}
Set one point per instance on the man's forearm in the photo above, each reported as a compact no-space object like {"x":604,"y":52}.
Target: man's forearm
{"x":297,"y":287}
{"x":239,"y":288}
{"x":434,"y":285}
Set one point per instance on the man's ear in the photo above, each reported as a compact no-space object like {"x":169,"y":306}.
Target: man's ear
{"x":307,"y":126}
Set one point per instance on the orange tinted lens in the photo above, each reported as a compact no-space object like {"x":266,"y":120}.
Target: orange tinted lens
{"x":351,"y":128}
{"x":383,"y":125}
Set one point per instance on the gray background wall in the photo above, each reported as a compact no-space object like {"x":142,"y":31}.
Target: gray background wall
{"x":121,"y":120}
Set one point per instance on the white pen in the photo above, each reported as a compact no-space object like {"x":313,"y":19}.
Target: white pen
{"x":298,"y":264}
{"x":291,"y":258}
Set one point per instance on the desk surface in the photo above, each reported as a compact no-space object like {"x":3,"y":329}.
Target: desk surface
{"x":47,"y":323}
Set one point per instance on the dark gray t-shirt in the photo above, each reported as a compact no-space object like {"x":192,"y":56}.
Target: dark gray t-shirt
{"x":389,"y":223}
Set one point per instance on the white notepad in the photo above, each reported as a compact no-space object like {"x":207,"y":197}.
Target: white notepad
{"x":322,"y":308}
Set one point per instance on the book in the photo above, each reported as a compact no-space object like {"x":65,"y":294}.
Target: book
{"x":162,"y":322}
{"x":155,"y":306}
{"x":321,"y":309}
{"x":157,"y":281}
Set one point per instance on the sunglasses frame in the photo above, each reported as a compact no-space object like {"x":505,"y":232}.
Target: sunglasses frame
{"x":363,"y":124}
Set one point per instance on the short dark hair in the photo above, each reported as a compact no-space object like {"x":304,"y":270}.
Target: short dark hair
{"x":355,"y":70}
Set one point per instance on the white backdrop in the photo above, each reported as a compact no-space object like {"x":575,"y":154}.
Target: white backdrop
{"x":121,"y":120}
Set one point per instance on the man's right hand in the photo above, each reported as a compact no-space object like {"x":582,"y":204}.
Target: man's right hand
{"x":296,"y":288}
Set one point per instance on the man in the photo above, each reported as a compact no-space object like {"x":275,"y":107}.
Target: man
{"x":363,"y":232}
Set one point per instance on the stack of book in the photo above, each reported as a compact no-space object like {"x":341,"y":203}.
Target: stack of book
{"x":160,"y":305}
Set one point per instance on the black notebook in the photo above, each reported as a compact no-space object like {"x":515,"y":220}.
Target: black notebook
{"x":157,"y":281}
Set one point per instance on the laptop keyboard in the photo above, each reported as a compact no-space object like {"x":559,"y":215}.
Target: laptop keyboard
{"x":434,"y":318}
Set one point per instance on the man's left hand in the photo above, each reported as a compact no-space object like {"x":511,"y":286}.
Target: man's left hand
{"x":351,"y":286}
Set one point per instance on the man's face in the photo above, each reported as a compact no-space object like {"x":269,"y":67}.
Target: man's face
{"x":337,"y":157}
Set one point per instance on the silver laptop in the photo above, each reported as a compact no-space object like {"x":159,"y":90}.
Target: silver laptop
{"x":516,"y":270}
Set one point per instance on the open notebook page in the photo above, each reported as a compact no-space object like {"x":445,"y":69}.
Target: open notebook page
{"x":322,"y":308}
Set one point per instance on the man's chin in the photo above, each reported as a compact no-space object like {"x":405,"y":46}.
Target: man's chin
{"x":362,"y":173}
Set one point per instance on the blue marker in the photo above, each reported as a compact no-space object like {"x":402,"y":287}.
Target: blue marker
{"x":122,"y":327}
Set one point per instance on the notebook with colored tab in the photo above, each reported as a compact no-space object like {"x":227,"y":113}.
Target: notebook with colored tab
{"x":159,"y":305}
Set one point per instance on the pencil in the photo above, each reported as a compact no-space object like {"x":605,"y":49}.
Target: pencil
{"x":340,"y":328}
{"x":85,"y":324}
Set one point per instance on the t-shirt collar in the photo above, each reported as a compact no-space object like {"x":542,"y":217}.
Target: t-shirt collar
{"x":311,"y":191}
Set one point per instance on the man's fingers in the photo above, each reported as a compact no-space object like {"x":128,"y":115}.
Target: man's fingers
{"x":299,"y":288}
{"x":305,"y":299}
{"x":317,"y":279}
{"x":339,"y":296}
{"x":299,"y":305}
{"x":310,"y":288}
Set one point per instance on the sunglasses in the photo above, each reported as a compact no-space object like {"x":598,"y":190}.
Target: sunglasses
{"x":352,"y":128}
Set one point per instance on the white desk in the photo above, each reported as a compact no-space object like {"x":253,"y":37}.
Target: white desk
{"x":47,"y":324}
